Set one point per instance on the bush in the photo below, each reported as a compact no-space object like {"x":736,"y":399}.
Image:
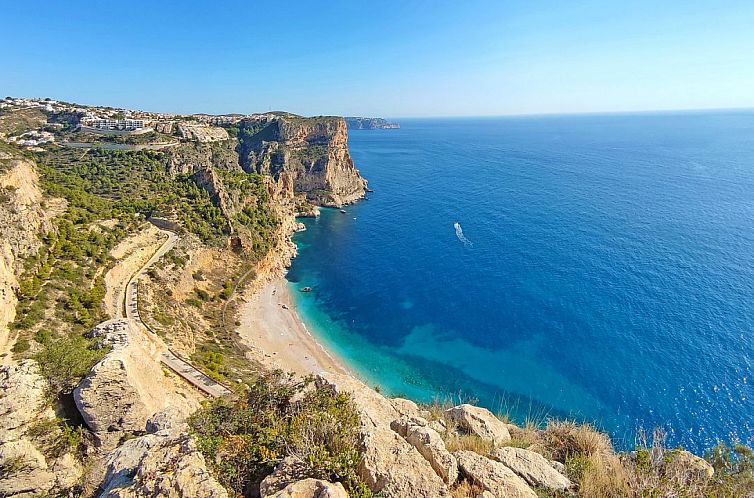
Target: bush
{"x":244,"y":439}
{"x":42,"y":336}
{"x":64,"y":362}
{"x":21,"y":346}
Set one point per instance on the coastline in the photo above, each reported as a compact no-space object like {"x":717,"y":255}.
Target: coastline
{"x":278,"y":338}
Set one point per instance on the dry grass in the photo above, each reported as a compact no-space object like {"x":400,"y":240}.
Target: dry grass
{"x":527,"y":436}
{"x":563,"y":439}
{"x":468,"y":442}
{"x":603,"y":476}
{"x":465,"y":489}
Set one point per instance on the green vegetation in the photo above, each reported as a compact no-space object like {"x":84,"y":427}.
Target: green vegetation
{"x":67,"y":360}
{"x":243,"y":440}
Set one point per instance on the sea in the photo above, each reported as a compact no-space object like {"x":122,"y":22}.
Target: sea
{"x":598,"y":268}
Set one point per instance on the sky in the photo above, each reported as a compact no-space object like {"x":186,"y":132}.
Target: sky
{"x":382,"y":58}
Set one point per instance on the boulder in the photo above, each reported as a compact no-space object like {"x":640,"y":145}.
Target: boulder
{"x":532,"y":467}
{"x":22,"y":398}
{"x":493,"y":476}
{"x":430,"y":445}
{"x":159,"y":466}
{"x":311,"y":488}
{"x":481,"y":422}
{"x":390,"y":464}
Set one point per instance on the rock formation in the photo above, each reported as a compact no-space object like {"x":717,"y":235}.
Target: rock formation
{"x":358,"y":123}
{"x":532,"y":467}
{"x":481,"y":422}
{"x":312,"y":151}
{"x":201,"y":132}
{"x":29,"y":467}
{"x":493,"y":476}
{"x":126,"y":387}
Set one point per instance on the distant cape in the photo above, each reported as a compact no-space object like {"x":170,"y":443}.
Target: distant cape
{"x":359,"y":123}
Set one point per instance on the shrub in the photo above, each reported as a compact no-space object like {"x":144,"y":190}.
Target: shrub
{"x":279,"y":416}
{"x":21,"y":346}
{"x":42,"y":336}
{"x":64,"y":362}
{"x":566,"y":438}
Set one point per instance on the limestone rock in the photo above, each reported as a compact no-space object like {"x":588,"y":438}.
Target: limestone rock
{"x":430,"y":445}
{"x":687,"y":462}
{"x":390,"y":464}
{"x":22,"y":397}
{"x":26,"y":470}
{"x":201,"y":132}
{"x":532,"y":467}
{"x":493,"y":476}
{"x":126,"y":387}
{"x":159,"y":466}
{"x":481,"y":422}
{"x":313,"y":152}
{"x":311,"y":488}
{"x":288,"y":471}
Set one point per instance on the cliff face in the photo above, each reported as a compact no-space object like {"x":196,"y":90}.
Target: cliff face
{"x":311,"y":152}
{"x":22,"y":222}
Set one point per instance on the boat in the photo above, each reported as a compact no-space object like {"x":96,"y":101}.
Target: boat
{"x":306,"y":289}
{"x":343,"y":211}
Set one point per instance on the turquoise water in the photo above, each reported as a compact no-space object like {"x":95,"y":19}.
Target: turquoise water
{"x":603,"y":269}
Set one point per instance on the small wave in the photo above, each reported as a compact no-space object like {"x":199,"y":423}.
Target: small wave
{"x":461,"y":236}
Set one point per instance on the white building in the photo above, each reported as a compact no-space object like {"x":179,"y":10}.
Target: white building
{"x":113,"y":124}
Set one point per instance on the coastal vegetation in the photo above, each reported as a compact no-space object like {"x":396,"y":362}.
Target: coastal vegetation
{"x":280,"y":416}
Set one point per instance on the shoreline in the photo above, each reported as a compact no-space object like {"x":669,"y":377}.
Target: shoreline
{"x":277,"y":337}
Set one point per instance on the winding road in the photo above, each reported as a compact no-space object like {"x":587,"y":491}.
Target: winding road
{"x":183,"y":368}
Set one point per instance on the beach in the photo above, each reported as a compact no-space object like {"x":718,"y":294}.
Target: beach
{"x":276,"y":335}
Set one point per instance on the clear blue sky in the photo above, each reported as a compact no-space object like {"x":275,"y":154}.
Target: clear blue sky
{"x":382,"y":58}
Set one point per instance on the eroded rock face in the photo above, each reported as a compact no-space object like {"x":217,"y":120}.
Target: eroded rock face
{"x":532,"y":467}
{"x":27,"y":471}
{"x":288,"y":471}
{"x":311,"y":488}
{"x":126,"y":387}
{"x":390,"y":464}
{"x":311,"y":151}
{"x":159,"y":465}
{"x":493,"y":476}
{"x":430,"y":445}
{"x":481,"y":422}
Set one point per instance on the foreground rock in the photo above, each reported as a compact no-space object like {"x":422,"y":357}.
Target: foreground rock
{"x":481,"y":422}
{"x":532,"y":467}
{"x":27,"y":466}
{"x":390,"y":464}
{"x":430,"y":445}
{"x":126,"y":387}
{"x":493,"y":476}
{"x":159,"y":465}
{"x":311,"y":488}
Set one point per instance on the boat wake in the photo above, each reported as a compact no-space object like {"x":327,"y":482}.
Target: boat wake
{"x":461,"y":236}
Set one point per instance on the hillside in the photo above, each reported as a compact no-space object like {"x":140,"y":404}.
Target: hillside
{"x":126,"y":258}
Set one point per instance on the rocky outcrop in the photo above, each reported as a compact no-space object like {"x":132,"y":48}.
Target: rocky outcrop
{"x":492,"y":476}
{"x":390,"y":464}
{"x":532,"y":467}
{"x":126,"y":387}
{"x":685,"y":463}
{"x":313,"y":152}
{"x":429,"y":444}
{"x":311,"y":488}
{"x":479,"y":421}
{"x":25,"y":468}
{"x":201,"y":132}
{"x":159,"y":465}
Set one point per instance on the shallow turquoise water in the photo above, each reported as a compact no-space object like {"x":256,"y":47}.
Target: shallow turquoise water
{"x":604,"y":269}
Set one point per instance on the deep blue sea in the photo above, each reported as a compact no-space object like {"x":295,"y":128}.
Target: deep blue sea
{"x":603,"y":269}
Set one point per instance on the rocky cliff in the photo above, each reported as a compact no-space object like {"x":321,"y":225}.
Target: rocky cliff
{"x":312,"y":152}
{"x":23,"y":220}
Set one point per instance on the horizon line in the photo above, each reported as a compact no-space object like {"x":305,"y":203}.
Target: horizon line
{"x":440,"y":116}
